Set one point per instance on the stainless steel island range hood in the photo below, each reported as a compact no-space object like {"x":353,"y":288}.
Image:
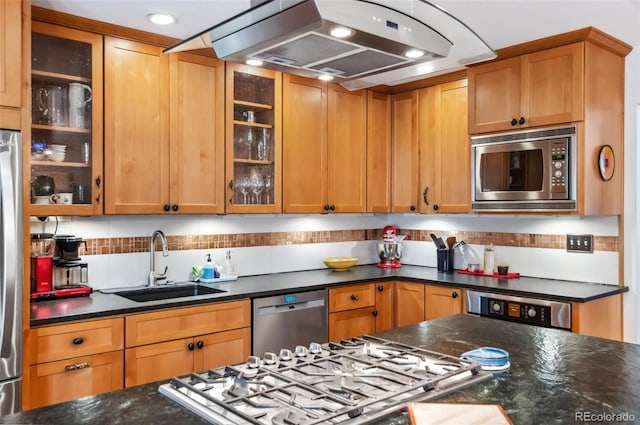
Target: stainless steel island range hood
{"x":381,"y":42}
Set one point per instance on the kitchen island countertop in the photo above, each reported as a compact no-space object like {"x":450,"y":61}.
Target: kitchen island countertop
{"x":555,"y":377}
{"x":102,"y":305}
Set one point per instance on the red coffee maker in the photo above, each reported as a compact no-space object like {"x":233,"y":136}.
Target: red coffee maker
{"x":42,"y":249}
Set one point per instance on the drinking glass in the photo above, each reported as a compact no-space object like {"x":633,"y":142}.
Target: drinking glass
{"x":243,"y":186}
{"x":257,"y":186}
{"x":263,"y":146}
{"x":268,"y":184}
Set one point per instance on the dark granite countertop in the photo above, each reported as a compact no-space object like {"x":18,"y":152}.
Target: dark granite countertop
{"x":555,"y":376}
{"x":102,"y":305}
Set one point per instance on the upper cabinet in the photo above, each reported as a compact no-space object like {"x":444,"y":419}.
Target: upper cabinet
{"x":531,"y":90}
{"x":404,"y":152}
{"x":444,"y":149}
{"x":378,"y":152}
{"x":325,"y":146}
{"x":253,"y":140}
{"x":164,"y":138}
{"x":65,"y":162}
{"x":11,"y":54}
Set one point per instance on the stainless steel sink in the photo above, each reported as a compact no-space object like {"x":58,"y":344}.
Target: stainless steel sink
{"x":167,"y":292}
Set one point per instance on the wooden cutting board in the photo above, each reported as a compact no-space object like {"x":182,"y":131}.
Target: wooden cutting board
{"x":457,"y":413}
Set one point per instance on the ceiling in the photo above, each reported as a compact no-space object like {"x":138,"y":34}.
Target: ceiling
{"x":500,"y":23}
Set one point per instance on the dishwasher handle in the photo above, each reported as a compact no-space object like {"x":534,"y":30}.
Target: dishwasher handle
{"x":287,"y":307}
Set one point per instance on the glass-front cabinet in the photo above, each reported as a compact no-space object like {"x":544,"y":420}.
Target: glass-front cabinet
{"x":66,"y":131}
{"x":253,"y":140}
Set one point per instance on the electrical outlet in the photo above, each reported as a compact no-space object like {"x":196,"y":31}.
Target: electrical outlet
{"x":580,"y":243}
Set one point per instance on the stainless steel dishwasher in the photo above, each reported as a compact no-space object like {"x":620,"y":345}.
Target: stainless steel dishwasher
{"x":285,"y":321}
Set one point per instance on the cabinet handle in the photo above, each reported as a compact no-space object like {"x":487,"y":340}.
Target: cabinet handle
{"x":412,"y":207}
{"x":354,"y":297}
{"x":380,"y":288}
{"x":71,"y":367}
{"x":454,"y":294}
{"x":436,"y":207}
{"x":190,"y":346}
{"x":521,"y":120}
{"x":425,"y":195}
{"x":166,"y":207}
{"x":175,"y":207}
{"x":98,"y":181}
{"x":375,"y":313}
{"x":200,"y":344}
{"x":77,"y":341}
{"x":514,"y":121}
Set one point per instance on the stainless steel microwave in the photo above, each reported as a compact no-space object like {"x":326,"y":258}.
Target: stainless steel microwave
{"x":532,"y":170}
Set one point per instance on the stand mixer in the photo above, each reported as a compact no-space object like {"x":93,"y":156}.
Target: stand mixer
{"x":390,"y":249}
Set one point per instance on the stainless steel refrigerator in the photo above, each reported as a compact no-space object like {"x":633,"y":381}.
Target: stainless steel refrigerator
{"x":10,"y":272}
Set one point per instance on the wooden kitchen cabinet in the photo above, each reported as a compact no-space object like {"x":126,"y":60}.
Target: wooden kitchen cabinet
{"x":404,"y":152}
{"x":360,"y":309}
{"x":253,"y":139}
{"x":444,"y":149}
{"x":11,"y":61}
{"x":325,"y":147}
{"x":378,"y":152}
{"x":169,"y":343}
{"x":409,"y":303}
{"x":66,"y":122}
{"x":442,"y":301}
{"x":164,"y":139}
{"x":541,"y":88}
{"x":73,"y":360}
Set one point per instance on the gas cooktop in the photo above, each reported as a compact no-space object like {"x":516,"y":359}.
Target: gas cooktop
{"x":355,"y":381}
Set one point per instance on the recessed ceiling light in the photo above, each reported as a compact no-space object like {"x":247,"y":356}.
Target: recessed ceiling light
{"x":425,"y":68}
{"x":161,"y":18}
{"x":254,"y":62}
{"x":325,"y":77}
{"x":414,"y":53}
{"x":341,"y":32}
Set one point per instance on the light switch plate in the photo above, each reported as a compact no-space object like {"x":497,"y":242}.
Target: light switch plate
{"x":580,"y":243}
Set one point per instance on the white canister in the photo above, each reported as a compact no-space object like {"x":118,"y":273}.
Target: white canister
{"x":489,"y":259}
{"x":79,"y":97}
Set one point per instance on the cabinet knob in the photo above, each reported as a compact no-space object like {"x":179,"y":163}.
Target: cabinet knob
{"x":332,"y":207}
{"x":190,"y":346}
{"x":521,"y":120}
{"x":380,"y":288}
{"x":374,"y":313}
{"x":354,"y":297}
{"x":98,"y":181}
{"x":425,"y":195}
{"x":175,"y":207}
{"x":514,"y":121}
{"x":98,"y":198}
{"x":326,"y":207}
{"x":166,"y":208}
{"x":436,"y":207}
{"x":200,"y":344}
{"x":78,"y":341}
{"x":454,"y":294}
{"x":412,"y":207}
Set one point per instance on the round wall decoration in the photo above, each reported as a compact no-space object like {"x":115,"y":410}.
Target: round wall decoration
{"x":606,"y":162}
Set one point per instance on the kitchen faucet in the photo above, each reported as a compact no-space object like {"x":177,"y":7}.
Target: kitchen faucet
{"x":153,"y":276}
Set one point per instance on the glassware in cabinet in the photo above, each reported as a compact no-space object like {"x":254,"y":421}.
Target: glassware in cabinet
{"x":253,"y":139}
{"x":65,"y":162}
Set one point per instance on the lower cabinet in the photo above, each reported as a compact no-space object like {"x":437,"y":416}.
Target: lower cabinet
{"x":73,"y":360}
{"x":442,"y":301}
{"x":164,"y":344}
{"x":410,"y":302}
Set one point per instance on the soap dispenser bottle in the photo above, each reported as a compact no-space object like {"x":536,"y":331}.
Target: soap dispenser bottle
{"x":229,"y":269}
{"x":208,"y":271}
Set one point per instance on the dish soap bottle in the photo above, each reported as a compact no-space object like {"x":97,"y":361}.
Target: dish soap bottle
{"x":489,"y":259}
{"x":228,"y":270}
{"x":208,"y":271}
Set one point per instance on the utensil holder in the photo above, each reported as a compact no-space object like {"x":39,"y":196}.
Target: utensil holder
{"x":445,"y":260}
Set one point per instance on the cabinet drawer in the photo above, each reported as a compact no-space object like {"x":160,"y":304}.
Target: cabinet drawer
{"x":59,"y":342}
{"x":351,"y":297}
{"x":65,"y":380}
{"x":346,"y":324}
{"x":165,"y":325}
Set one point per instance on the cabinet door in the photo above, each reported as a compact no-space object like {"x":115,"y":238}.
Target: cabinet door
{"x":65,"y":150}
{"x":304,"y":141}
{"x":494,"y":95}
{"x":222,"y":348}
{"x":378,"y":152}
{"x":64,"y":380}
{"x":136,"y":128}
{"x":346,"y":324}
{"x":164,"y":360}
{"x":444,"y":149}
{"x":197,"y":134}
{"x":11,"y":53}
{"x":385,"y":306}
{"x":552,"y":85}
{"x":404,"y":152}
{"x":441,"y":301}
{"x":409,"y":303}
{"x":347,"y":150}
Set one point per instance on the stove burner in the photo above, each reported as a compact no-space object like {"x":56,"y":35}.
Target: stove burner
{"x":287,"y":417}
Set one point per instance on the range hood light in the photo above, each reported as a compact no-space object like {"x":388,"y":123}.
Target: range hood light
{"x":325,"y":77}
{"x":254,"y":62}
{"x":414,"y":53}
{"x":341,"y":32}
